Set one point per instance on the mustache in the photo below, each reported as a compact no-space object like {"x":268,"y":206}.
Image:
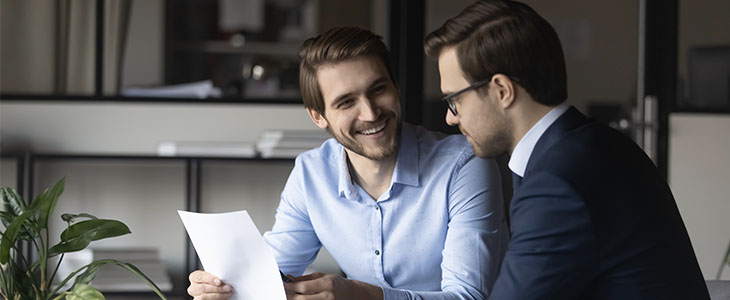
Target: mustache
{"x":367,"y":125}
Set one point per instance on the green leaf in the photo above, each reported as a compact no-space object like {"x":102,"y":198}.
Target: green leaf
{"x":71,"y":217}
{"x":79,"y":235}
{"x":12,"y":202}
{"x":87,"y":276}
{"x":91,"y":269}
{"x":10,"y":236}
{"x":142,"y":276}
{"x":84,"y":292}
{"x":27,"y":233}
{"x":46,"y":202}
{"x":14,"y":205}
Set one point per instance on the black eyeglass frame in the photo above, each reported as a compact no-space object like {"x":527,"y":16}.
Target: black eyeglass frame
{"x":449,"y":99}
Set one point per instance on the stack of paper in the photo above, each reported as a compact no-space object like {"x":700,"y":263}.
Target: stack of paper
{"x":206,"y":149}
{"x":200,"y":89}
{"x":289,"y":143}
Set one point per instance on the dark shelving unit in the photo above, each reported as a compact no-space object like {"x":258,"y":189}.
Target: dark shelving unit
{"x":26,"y":162}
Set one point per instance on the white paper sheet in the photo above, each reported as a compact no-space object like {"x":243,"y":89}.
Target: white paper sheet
{"x":230,"y":247}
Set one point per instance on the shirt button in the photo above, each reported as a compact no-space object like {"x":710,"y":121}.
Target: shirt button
{"x":377,"y":207}
{"x":377,"y":252}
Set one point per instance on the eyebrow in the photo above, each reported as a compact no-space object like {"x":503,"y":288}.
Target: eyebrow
{"x":378,"y":81}
{"x":342,"y":97}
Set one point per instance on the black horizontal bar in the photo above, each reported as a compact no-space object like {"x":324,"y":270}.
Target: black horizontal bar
{"x":151,"y":100}
{"x":719,"y":111}
{"x":53,"y":156}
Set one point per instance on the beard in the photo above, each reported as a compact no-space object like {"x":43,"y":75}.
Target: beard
{"x":493,"y":145}
{"x":389,"y":148}
{"x":495,"y":136}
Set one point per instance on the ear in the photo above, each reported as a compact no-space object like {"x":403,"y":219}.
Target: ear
{"x":504,"y":90}
{"x":318,"y":118}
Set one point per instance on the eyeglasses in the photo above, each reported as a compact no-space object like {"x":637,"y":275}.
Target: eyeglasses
{"x":449,"y":99}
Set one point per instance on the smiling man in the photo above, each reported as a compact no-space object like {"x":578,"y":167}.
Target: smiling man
{"x":406,"y":213}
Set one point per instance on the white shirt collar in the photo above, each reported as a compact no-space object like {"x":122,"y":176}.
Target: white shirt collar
{"x":523,"y":150}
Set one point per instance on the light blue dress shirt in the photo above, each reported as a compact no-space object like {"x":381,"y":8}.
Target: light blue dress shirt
{"x":438,"y":232}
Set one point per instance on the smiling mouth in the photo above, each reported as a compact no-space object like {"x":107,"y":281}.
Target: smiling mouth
{"x":375,"y":129}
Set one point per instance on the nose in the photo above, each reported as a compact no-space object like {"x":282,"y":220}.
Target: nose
{"x":369,"y":111}
{"x":451,"y":119}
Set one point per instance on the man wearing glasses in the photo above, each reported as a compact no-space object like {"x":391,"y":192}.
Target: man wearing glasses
{"x":405,"y":212}
{"x":591,"y":217}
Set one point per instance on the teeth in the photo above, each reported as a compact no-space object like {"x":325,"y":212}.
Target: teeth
{"x":373,"y":130}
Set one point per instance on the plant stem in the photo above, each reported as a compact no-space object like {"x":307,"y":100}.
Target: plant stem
{"x":43,"y":257}
{"x":50,"y":280}
{"x":23,"y":259}
{"x":60,"y":285}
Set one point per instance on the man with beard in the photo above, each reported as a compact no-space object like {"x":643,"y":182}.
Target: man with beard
{"x":405,"y":212}
{"x":591,"y":217}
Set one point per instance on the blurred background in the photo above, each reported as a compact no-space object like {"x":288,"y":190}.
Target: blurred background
{"x":98,"y":90}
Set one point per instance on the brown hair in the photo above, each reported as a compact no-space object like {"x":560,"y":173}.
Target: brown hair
{"x":336,"y":45}
{"x":510,"y":38}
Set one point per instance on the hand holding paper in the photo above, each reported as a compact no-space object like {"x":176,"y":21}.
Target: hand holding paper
{"x":230,"y":247}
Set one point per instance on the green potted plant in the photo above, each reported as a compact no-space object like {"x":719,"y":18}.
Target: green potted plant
{"x":24,"y":278}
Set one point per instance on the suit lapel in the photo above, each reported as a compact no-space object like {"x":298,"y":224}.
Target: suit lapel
{"x":571,"y":119}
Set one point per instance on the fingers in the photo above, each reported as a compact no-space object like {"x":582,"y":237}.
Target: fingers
{"x":320,"y":296}
{"x":199,"y":276}
{"x":311,"y":284}
{"x":311,"y":276}
{"x":206,"y":286}
{"x":197,"y":289}
{"x":214,"y":297}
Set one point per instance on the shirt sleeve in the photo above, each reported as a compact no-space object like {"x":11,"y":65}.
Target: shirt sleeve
{"x":552,"y":254}
{"x":292,"y":238}
{"x":476,"y":238}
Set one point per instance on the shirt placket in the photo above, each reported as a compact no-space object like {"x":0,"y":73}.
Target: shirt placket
{"x":376,"y":242}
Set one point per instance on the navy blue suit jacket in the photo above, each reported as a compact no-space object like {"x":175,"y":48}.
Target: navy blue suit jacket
{"x":594,"y":219}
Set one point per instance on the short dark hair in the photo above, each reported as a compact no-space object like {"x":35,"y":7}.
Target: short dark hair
{"x":510,"y":38}
{"x":336,"y":45}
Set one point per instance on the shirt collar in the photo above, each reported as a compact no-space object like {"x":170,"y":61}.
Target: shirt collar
{"x":406,"y":165}
{"x":523,"y":150}
{"x":346,"y":187}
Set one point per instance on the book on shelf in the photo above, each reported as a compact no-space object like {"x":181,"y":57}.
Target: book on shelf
{"x":281,"y":152}
{"x":214,"y":149}
{"x":275,"y":134}
{"x":289,"y":143}
{"x":200,"y":89}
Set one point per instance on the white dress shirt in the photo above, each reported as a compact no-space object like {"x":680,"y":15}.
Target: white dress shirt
{"x":523,"y":150}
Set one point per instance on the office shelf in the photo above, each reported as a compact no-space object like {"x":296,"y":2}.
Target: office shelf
{"x":26,"y":165}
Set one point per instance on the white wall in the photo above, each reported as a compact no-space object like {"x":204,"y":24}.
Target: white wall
{"x":136,"y":128}
{"x":699,"y":175}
